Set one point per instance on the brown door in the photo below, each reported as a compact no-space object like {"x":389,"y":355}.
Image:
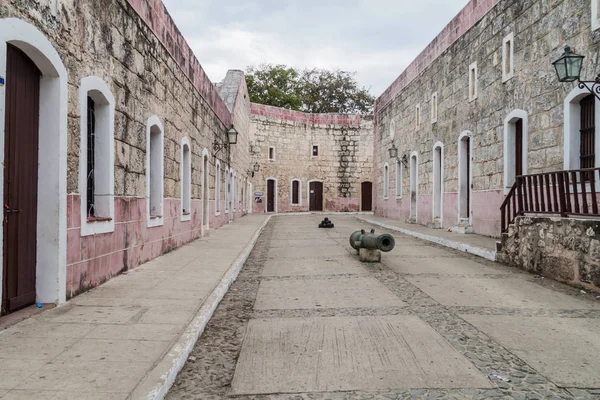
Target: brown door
{"x":469,"y":184}
{"x":316,"y":196}
{"x":270,"y":195}
{"x":20,"y":180}
{"x":519,"y":148}
{"x":366,"y":196}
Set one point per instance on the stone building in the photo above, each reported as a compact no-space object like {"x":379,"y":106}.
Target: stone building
{"x":311,"y":162}
{"x":114,"y":146}
{"x":125,"y":121}
{"x":481,"y":105}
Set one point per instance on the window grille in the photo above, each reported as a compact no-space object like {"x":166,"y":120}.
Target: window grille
{"x":587,"y":154}
{"x":91,"y":134}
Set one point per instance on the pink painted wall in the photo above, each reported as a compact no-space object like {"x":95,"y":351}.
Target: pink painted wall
{"x":485,"y":215}
{"x":92,"y":260}
{"x":302,"y":117}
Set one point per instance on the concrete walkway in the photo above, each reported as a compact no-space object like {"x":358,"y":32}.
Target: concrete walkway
{"x":478,"y":245}
{"x":128,"y":338}
{"x":306,"y":320}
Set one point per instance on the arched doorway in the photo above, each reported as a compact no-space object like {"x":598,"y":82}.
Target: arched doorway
{"x":438,"y":185}
{"x":315,"y":195}
{"x":36,"y":76}
{"x":515,"y":147}
{"x":366,"y":196}
{"x":414,"y":186}
{"x":465,"y":155}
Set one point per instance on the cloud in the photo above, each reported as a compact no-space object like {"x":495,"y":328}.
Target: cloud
{"x":375,"y":38}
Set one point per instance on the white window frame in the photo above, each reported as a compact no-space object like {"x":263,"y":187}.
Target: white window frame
{"x":392,"y":130}
{"x":386,"y":181}
{"x":399,"y":170}
{"x":462,"y":187}
{"x":159,"y":191}
{"x":205,"y":197}
{"x":509,"y":146}
{"x":269,"y":153}
{"x":225,"y":189}
{"x":312,"y":150}
{"x":292,"y":192}
{"x":185,"y":179}
{"x":473,"y":79}
{"x":218,"y":188}
{"x":508,"y":56}
{"x":572,"y":124}
{"x":104,"y":175}
{"x":233,"y":191}
{"x":595,"y":14}
{"x":437,"y":145}
{"x":418,"y":116}
{"x":434,"y":108}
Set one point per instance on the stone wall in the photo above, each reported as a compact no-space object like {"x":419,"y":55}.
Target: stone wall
{"x":135,"y":48}
{"x":540,"y":29}
{"x":344,"y":160}
{"x":564,"y":249}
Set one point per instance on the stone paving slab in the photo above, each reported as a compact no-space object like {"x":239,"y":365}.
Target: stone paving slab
{"x":348,"y":353}
{"x":317,"y":251}
{"x":126,"y":338}
{"x":494,"y":292}
{"x":326,"y":293}
{"x":331,"y":266}
{"x":445,"y":265}
{"x":563,"y":349}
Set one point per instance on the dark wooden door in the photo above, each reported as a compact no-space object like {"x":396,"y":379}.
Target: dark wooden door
{"x":316,"y":196}
{"x":270,"y":195}
{"x":519,"y":148}
{"x":366,"y":189}
{"x":469,"y":184}
{"x":20,"y":180}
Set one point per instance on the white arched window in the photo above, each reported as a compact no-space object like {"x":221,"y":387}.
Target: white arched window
{"x":96,"y":157}
{"x":186,"y":180}
{"x":227,"y":189}
{"x":581,"y":122}
{"x":218,"y":188}
{"x":515,"y":147}
{"x":154,"y":171}
{"x":398,"y":178}
{"x":386,"y":180}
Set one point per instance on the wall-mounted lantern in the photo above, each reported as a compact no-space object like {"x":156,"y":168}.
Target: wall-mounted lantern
{"x":232,"y":135}
{"x":394,"y":154}
{"x":568,"y":69}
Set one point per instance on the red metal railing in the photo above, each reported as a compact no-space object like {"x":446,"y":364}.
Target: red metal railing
{"x":561,"y":193}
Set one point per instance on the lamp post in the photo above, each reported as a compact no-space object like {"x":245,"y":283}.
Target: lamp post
{"x":568,"y":69}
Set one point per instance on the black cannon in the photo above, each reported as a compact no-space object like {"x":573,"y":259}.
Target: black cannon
{"x":326,"y":223}
{"x":371,"y":241}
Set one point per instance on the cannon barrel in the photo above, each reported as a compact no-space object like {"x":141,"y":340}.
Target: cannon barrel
{"x":371,"y":241}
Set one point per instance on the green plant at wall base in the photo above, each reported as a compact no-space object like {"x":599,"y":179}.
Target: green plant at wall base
{"x":309,"y":90}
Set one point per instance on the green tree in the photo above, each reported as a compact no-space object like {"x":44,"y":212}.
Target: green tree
{"x":274,"y":85}
{"x":310,"y":90}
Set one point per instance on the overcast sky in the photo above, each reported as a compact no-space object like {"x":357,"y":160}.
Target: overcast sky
{"x":376,"y":38}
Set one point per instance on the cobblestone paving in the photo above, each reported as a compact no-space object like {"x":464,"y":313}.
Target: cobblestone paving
{"x":209,"y":371}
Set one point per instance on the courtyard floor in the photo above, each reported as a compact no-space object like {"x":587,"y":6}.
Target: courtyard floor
{"x":305,"y":319}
